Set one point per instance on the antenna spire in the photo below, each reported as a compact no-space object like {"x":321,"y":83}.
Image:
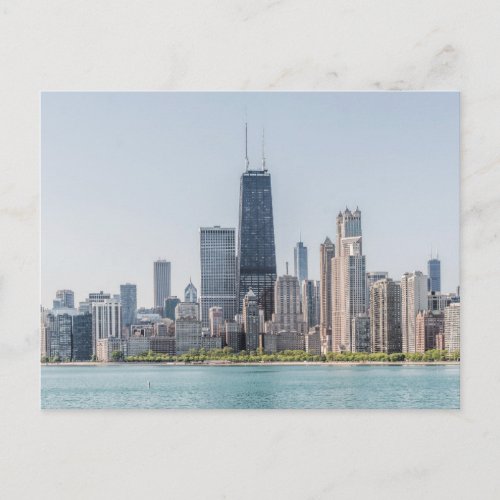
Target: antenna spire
{"x":247,"y":163}
{"x":263,"y":152}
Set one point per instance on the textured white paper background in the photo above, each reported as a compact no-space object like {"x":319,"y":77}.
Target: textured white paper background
{"x":255,"y":44}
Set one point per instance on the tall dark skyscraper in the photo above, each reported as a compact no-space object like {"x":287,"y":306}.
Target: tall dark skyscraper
{"x":256,"y":251}
{"x":434,"y":273}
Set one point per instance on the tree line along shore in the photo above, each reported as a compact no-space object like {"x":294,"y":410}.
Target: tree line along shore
{"x":226,"y":355}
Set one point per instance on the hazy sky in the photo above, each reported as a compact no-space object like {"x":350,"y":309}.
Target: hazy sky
{"x":130,"y":177}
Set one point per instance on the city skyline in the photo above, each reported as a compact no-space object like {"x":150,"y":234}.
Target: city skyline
{"x":223,"y":206}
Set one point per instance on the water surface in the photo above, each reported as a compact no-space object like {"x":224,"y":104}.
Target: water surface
{"x":268,"y":386}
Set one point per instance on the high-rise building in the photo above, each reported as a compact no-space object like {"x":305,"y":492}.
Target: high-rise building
{"x":216,"y":321}
{"x":128,"y":298}
{"x":66,"y":298}
{"x":311,"y":302}
{"x":361,"y":333}
{"x":106,"y":321}
{"x":413,"y":299}
{"x":256,"y":250}
{"x":326,"y":254}
{"x":169,"y":307}
{"x":437,"y":301}
{"x":385,"y":316}
{"x":161,"y":269}
{"x":187,"y":327}
{"x":287,"y":317}
{"x":434,"y":273}
{"x":371,"y":278}
{"x":300,"y":261}
{"x":251,"y":320}
{"x":98,"y":296}
{"x":234,"y":336}
{"x":82,"y":337}
{"x":190,"y":292}
{"x":452,"y":327}
{"x":218,"y":272}
{"x":428,"y":325}
{"x":348,"y":279}
{"x":59,"y":329}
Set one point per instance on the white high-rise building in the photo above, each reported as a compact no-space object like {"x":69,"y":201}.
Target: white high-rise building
{"x":162,"y":280}
{"x":452,"y":327}
{"x":413,"y":300}
{"x":348,"y":279}
{"x":218,"y":272}
{"x":106,"y":321}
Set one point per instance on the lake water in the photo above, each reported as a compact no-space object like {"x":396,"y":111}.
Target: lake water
{"x":268,"y":386}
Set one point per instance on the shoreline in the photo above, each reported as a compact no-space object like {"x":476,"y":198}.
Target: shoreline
{"x":268,"y":363}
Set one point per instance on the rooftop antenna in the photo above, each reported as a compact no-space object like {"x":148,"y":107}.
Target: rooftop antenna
{"x":263,"y":152}
{"x":300,"y":235}
{"x":286,"y":267}
{"x":247,"y":163}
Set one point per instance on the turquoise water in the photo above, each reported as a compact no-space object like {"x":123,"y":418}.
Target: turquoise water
{"x":269,"y":386}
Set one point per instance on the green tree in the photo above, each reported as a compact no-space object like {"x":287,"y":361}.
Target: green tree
{"x":117,"y":356}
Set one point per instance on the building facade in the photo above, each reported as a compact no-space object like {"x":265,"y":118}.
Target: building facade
{"x":190,"y":293}
{"x":348,"y":279}
{"x":385,"y":316}
{"x":361,"y":333}
{"x":162,"y":281}
{"x":371,"y":278}
{"x":106,"y":321}
{"x":251,"y":320}
{"x":66,"y":298}
{"x":300,"y":262}
{"x":256,"y":248}
{"x":452,"y":327}
{"x":287,"y":306}
{"x":413,"y":299}
{"x":218,"y":271}
{"x":311,"y":302}
{"x":326,"y":254}
{"x":187,"y":327}
{"x":428,"y":325}
{"x":169,"y":307}
{"x":434,"y":273}
{"x":82,"y":337}
{"x":128,"y":299}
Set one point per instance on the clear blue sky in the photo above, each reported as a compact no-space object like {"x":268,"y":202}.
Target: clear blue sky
{"x":130,"y":177}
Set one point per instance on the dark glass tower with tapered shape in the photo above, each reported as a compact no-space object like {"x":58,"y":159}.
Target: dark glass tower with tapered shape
{"x":256,"y":252}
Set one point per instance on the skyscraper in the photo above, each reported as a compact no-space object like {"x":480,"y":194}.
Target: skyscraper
{"x":385,"y":316}
{"x":287,"y":317}
{"x":428,"y":325}
{"x":434,"y":273}
{"x":218,"y":271}
{"x":169,"y":307}
{"x":251,"y":321}
{"x":256,"y":251}
{"x":348,"y":279}
{"x":66,"y":298}
{"x":128,"y":298}
{"x":161,"y":282}
{"x":311,"y":302}
{"x":106,"y":321}
{"x":452,"y":327}
{"x":190,"y":292}
{"x":326,"y":254}
{"x":371,"y":278}
{"x":413,"y":299}
{"x":300,"y":261}
{"x":82,"y":337}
